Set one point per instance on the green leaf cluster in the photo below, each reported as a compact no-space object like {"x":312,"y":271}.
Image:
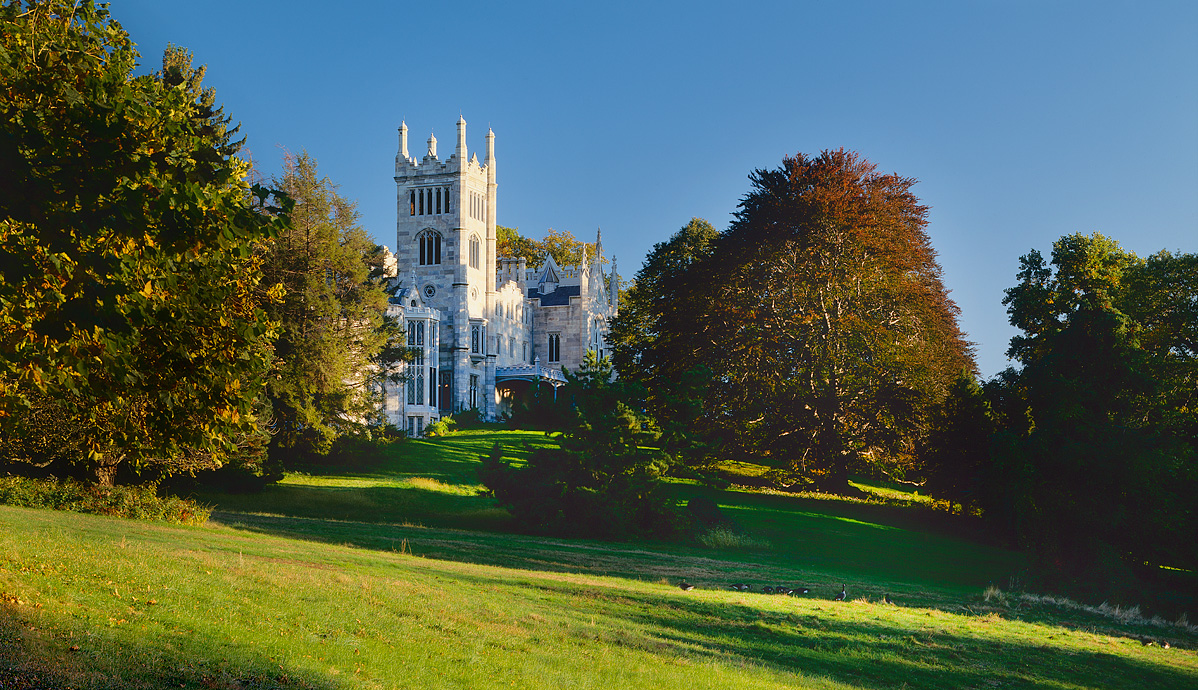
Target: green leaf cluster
{"x":129,"y":276}
{"x":566,"y":249}
{"x":335,"y":340}
{"x":1097,"y":447}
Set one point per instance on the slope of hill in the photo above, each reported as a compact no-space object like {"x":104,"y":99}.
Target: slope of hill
{"x":288,"y":597}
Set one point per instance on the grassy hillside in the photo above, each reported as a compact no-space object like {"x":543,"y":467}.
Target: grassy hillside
{"x":284,"y":596}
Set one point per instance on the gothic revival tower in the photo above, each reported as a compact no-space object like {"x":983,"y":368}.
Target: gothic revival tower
{"x":446,"y":234}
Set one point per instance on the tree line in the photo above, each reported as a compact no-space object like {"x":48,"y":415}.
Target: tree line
{"x":814,"y":335}
{"x":159,"y":314}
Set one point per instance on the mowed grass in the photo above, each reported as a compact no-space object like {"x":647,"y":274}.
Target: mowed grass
{"x":400,"y":577}
{"x":428,"y":482}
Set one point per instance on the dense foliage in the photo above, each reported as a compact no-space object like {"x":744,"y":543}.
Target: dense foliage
{"x":138,"y":502}
{"x":130,"y":320}
{"x":601,"y":481}
{"x":819,"y":315}
{"x":566,"y":249}
{"x":1088,"y":453}
{"x":334,"y":332}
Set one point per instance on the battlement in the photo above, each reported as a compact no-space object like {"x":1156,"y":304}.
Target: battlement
{"x":407,"y":165}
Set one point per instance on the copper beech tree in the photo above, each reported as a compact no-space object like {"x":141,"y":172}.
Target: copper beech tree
{"x":822,"y":318}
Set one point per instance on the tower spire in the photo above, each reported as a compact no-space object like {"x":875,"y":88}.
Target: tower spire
{"x":432,"y":146}
{"x":403,"y":140}
{"x":460,"y":152}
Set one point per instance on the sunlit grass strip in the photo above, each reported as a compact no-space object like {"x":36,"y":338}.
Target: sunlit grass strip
{"x":1130,"y":615}
{"x":153,"y":606}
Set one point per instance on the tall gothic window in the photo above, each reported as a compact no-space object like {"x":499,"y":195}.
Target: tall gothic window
{"x":430,"y":247}
{"x":473,"y":390}
{"x":474,"y":245}
{"x":432,"y":386}
{"x":555,"y":348}
{"x":412,"y":203}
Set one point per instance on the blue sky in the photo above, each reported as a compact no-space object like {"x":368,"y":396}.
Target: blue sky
{"x":1023,"y":121}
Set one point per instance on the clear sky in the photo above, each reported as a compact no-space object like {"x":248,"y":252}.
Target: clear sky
{"x":1023,"y":121}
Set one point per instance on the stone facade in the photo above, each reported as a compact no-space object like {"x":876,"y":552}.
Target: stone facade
{"x":492,"y":324}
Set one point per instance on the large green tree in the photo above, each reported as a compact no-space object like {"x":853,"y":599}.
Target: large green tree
{"x":129,"y":282}
{"x":655,"y":343}
{"x":334,"y":328}
{"x":1099,"y":466}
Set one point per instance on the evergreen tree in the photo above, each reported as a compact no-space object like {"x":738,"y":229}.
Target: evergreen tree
{"x":602,"y":481}
{"x":333,"y":322}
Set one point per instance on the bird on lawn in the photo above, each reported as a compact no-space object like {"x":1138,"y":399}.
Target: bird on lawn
{"x":740,"y":587}
{"x":780,"y":589}
{"x":685,"y":586}
{"x":886,"y":599}
{"x":801,"y":590}
{"x":767,"y":589}
{"x":842,"y":595}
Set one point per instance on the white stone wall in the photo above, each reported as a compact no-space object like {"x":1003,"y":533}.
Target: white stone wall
{"x":493,"y":294}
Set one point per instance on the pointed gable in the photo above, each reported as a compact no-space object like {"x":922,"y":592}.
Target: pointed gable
{"x":548,"y":280}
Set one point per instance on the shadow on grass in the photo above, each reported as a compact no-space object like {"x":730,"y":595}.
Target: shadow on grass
{"x":37,"y":659}
{"x":395,"y":505}
{"x":451,"y":459}
{"x":878,"y":653}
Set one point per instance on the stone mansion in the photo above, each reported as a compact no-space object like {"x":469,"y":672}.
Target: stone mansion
{"x":485,"y":328}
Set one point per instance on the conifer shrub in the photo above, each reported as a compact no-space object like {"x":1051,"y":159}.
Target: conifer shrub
{"x":603,"y":480}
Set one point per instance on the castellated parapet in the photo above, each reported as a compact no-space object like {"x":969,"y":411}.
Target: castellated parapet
{"x":501,"y":326}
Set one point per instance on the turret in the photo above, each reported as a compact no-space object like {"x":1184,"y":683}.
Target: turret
{"x":403,"y":140}
{"x":460,"y":152}
{"x":613,"y":288}
{"x":490,"y":161}
{"x":432,"y":146}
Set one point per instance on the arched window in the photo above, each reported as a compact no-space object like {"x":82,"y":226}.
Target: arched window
{"x":430,"y":247}
{"x":412,"y":202}
{"x":474,"y":245}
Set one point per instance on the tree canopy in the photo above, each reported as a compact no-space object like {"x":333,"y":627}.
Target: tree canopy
{"x":333,"y":325}
{"x":566,"y":249}
{"x":129,"y":282}
{"x":1098,"y":460}
{"x":819,"y":312}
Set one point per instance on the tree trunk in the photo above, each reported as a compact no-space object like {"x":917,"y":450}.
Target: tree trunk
{"x":104,"y":471}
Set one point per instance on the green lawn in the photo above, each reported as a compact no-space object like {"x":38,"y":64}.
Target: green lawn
{"x":372,"y":580}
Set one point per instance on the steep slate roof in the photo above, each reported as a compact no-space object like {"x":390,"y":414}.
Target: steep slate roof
{"x":558,"y":298}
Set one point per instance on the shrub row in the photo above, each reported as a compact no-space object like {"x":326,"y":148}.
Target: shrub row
{"x":139,"y":502}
